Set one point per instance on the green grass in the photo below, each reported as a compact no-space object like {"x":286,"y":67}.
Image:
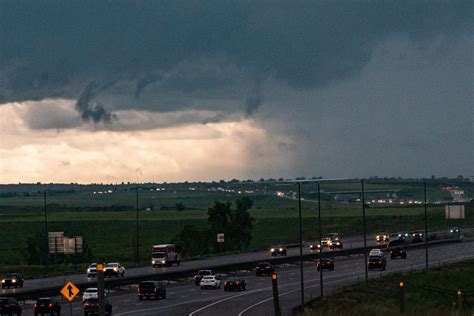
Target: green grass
{"x":427,"y":292}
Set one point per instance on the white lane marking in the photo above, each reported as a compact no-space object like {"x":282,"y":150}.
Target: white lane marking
{"x":292,"y":291}
{"x":337,"y":281}
{"x":168,"y":306}
{"x":223,"y":300}
{"x":258,"y":290}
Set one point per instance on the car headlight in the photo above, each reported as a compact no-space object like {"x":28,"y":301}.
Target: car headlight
{"x":3,"y":281}
{"x":14,"y":281}
{"x":272,"y":250}
{"x":163,"y":261}
{"x":115,"y":269}
{"x":281,"y":249}
{"x":152,"y":261}
{"x":338,"y":243}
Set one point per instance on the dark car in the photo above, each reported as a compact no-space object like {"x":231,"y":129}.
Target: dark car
{"x":234,"y":284}
{"x":91,"y":307}
{"x":416,"y":237}
{"x":278,"y":250}
{"x":327,"y":264}
{"x":12,"y":280}
{"x":149,"y":289}
{"x":398,"y":252}
{"x":396,"y":242}
{"x":264,"y":268}
{"x":200,"y":274}
{"x":377,"y":263}
{"x":9,"y":306}
{"x":47,"y":305}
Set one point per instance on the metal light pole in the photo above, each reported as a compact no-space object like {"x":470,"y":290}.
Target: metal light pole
{"x":46,"y":228}
{"x":137,"y":232}
{"x":319,"y":242}
{"x":365,"y":234}
{"x":426,"y":226}
{"x":301,"y":246}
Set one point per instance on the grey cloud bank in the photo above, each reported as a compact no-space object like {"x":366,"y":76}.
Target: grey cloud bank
{"x":335,"y":76}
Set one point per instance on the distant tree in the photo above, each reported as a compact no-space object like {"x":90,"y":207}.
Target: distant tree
{"x":36,"y":250}
{"x":180,"y":206}
{"x":193,"y":241}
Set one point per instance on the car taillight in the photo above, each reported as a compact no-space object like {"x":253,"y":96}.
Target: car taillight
{"x":87,"y":305}
{"x":6,"y":306}
{"x":155,"y":290}
{"x":225,"y":282}
{"x":138,"y":290}
{"x":35,"y":306}
{"x":50,"y":305}
{"x":238,"y":282}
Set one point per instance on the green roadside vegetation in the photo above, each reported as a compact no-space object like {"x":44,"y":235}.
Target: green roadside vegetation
{"x":429,"y":292}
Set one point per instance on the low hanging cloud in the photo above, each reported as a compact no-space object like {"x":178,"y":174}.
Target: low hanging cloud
{"x":210,"y":55}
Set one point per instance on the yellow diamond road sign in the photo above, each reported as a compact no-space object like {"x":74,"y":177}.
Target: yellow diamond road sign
{"x":69,"y":291}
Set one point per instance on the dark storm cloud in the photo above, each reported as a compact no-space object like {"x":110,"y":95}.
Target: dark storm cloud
{"x":170,"y":55}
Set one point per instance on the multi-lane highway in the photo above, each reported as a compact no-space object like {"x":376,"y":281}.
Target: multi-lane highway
{"x":185,"y":298}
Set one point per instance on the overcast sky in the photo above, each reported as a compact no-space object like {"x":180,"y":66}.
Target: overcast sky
{"x":111,"y":91}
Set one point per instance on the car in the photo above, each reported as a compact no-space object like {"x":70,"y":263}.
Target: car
{"x":376,"y":252}
{"x":12,"y":280}
{"x":47,"y":305}
{"x":395,"y":242}
{"x":9,"y":306}
{"x":235,"y":284}
{"x":92,"y":270}
{"x":325,"y":242}
{"x":398,"y":252}
{"x":278,"y":250}
{"x":91,"y":292}
{"x":335,"y":243}
{"x":382,"y":237}
{"x":91,"y":307}
{"x":404,"y":235}
{"x":455,"y":233}
{"x":149,"y":289}
{"x":327,"y":264}
{"x":208,"y":281}
{"x":264,"y":268}
{"x":377,"y":262}
{"x":315,"y":246}
{"x":114,"y":269}
{"x":200,"y":274}
{"x":416,"y":237}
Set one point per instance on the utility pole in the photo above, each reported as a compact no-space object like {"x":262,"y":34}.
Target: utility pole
{"x":46,"y":228}
{"x":319,"y":242}
{"x":138,"y":235}
{"x":101,"y":287}
{"x":426,"y":226}
{"x":365,"y":234}
{"x":301,"y":246}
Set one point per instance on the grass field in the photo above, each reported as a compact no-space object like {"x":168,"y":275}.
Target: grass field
{"x":427,"y":292}
{"x":109,"y":233}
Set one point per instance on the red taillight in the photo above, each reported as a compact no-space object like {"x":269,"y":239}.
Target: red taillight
{"x":87,"y":305}
{"x":35,"y":306}
{"x":50,"y":305}
{"x":225,"y":282}
{"x":155,"y":290}
{"x":6,"y":306}
{"x":138,"y":290}
{"x":238,"y":282}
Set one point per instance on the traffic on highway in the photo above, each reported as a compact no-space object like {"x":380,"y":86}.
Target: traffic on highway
{"x":211,"y":292}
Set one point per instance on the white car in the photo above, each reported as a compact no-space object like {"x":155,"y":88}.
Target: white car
{"x":91,"y":292}
{"x":210,"y":281}
{"x":376,"y":252}
{"x":92,"y":270}
{"x":114,"y":269}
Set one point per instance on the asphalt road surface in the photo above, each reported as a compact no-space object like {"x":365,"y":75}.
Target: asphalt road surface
{"x":185,"y":298}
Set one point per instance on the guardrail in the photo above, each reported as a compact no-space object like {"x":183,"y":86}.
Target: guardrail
{"x":219,"y":268}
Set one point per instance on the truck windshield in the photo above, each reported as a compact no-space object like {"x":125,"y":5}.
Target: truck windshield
{"x":158,"y":255}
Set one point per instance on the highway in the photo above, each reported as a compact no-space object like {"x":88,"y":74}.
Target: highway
{"x":350,"y":242}
{"x":185,"y":298}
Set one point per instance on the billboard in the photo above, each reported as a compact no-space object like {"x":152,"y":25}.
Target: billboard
{"x":455,"y":211}
{"x":68,"y":245}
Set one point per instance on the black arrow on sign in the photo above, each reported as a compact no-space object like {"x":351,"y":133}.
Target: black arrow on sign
{"x":71,"y":294}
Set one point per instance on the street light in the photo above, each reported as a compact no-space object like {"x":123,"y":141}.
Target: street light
{"x":137,"y":232}
{"x":365,"y":235}
{"x":319,"y":242}
{"x":301,"y":245}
